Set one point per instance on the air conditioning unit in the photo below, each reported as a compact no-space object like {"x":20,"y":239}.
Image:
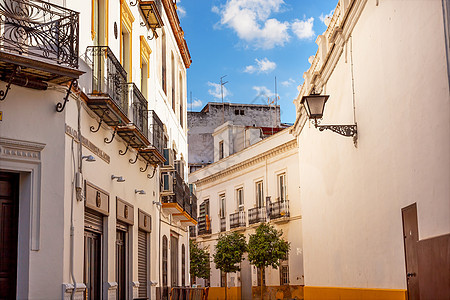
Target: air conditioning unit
{"x":168,"y":156}
{"x":179,"y":167}
{"x":166,"y":183}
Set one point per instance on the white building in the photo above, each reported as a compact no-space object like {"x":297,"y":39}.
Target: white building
{"x":237,"y":193}
{"x":368,"y":209}
{"x":67,"y":221}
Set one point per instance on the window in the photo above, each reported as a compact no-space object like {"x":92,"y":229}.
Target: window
{"x":183,"y":265}
{"x":241,"y":112}
{"x":145,"y":65}
{"x":282,"y":187}
{"x":221,"y":155}
{"x":240,"y":198}
{"x":174,"y":260}
{"x":99,"y":21}
{"x":164,"y":261}
{"x":172,"y":62}
{"x":222,"y":206}
{"x":259,"y":194}
{"x":126,"y":17}
{"x":284,"y":271}
{"x":163,"y":64}
{"x":180,"y":86}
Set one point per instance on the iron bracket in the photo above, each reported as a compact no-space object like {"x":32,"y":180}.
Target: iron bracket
{"x":3,"y":94}
{"x":60,"y":106}
{"x":146,"y":167}
{"x":92,"y":128}
{"x":121,"y":152}
{"x":153,"y":174}
{"x":112,"y":138}
{"x":135,"y":160}
{"x":345,"y":130}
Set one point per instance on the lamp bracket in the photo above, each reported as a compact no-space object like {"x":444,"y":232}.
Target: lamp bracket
{"x":345,"y":130}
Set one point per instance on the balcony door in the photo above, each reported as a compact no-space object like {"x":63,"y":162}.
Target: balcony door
{"x":9,"y":209}
{"x":121,"y":261}
{"x":173,"y":261}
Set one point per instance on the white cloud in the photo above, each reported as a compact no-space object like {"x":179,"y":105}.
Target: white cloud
{"x":196,"y":103}
{"x":250,"y":20}
{"x":262,"y":91}
{"x":215,"y":91}
{"x":181,"y":11}
{"x":288,"y":82}
{"x":262,"y":66}
{"x":326,"y":18}
{"x":303,"y":29}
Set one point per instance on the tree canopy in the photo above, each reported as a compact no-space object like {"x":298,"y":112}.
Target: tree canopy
{"x":230,"y":251}
{"x":199,"y":260}
{"x":266,"y":247}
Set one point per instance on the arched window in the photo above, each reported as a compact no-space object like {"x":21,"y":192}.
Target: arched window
{"x":183,"y":265}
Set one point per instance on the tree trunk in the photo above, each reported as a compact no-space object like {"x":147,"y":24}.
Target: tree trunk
{"x":261,"y":279}
{"x":226,"y":287}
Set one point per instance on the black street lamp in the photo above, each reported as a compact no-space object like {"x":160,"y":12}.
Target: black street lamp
{"x":314,"y":105}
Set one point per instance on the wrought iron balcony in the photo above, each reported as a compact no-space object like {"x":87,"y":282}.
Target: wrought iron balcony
{"x":279,"y":209}
{"x":204,"y":225}
{"x":194,"y":206}
{"x":256,"y":215}
{"x":223,"y":224}
{"x":155,"y":136}
{"x":237,"y":219}
{"x":38,"y":43}
{"x":109,"y":95}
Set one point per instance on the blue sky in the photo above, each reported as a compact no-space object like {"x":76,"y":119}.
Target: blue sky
{"x":252,"y":42}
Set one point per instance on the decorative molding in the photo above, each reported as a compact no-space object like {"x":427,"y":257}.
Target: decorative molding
{"x":88,"y":144}
{"x":126,"y":16}
{"x":22,"y":150}
{"x":68,"y":289}
{"x":145,"y":53}
{"x":249,"y":162}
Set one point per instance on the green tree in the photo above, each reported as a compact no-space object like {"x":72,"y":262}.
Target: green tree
{"x":229,"y":253}
{"x":266,"y":247}
{"x":199,"y":260}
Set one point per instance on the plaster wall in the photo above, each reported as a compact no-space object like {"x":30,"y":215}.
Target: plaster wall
{"x":202,"y":124}
{"x":30,"y":115}
{"x":352,"y":197}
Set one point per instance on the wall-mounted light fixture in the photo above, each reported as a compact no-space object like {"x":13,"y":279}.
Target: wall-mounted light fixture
{"x":157,"y":203}
{"x":314,"y":105}
{"x":119,"y":178}
{"x":88,"y":158}
{"x":140,"y":192}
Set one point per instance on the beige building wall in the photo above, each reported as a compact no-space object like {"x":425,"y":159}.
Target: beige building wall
{"x":384,"y":65}
{"x":263,"y":161}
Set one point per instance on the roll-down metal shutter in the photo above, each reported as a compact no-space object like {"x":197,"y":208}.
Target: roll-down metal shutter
{"x":93,"y":221}
{"x":142,"y":262}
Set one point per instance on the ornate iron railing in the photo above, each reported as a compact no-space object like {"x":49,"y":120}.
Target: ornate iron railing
{"x":139,"y":108}
{"x":156,"y":134}
{"x":256,"y":215}
{"x":223,"y":224}
{"x":237,"y":219}
{"x":279,"y":209}
{"x":40,"y":29}
{"x":108,"y":76}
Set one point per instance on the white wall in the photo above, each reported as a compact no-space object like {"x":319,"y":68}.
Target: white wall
{"x":352,"y":197}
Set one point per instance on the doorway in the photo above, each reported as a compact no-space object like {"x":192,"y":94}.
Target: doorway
{"x":410,"y":240}
{"x":9,"y":216}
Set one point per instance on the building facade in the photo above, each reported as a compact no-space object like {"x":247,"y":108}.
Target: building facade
{"x":376,"y":213}
{"x":93,"y":114}
{"x":242,"y":117}
{"x":237,"y":193}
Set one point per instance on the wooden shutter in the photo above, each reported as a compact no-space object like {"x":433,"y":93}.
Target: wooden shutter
{"x":142,"y":263}
{"x":93,"y":221}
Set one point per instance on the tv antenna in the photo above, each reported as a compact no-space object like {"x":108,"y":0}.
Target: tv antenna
{"x":222,"y":83}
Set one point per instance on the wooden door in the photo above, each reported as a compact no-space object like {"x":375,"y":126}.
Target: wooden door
{"x":121,"y":264}
{"x":9,"y":214}
{"x":92,"y":265}
{"x":411,"y":238}
{"x":173,"y":261}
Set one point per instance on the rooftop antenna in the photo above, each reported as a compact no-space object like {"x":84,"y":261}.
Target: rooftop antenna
{"x":222,"y":83}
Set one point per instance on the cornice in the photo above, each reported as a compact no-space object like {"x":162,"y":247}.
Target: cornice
{"x":171,"y":12}
{"x":249,"y":162}
{"x":22,"y":150}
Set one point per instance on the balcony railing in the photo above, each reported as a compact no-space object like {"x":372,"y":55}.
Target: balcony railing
{"x":194,"y":206}
{"x":139,"y":108}
{"x":256,"y":215}
{"x":279,"y":209}
{"x":192,"y":231}
{"x":223,"y":224}
{"x":109,"y":78}
{"x":156,"y":135}
{"x":237,"y":219}
{"x":204,"y":225}
{"x":40,"y":29}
